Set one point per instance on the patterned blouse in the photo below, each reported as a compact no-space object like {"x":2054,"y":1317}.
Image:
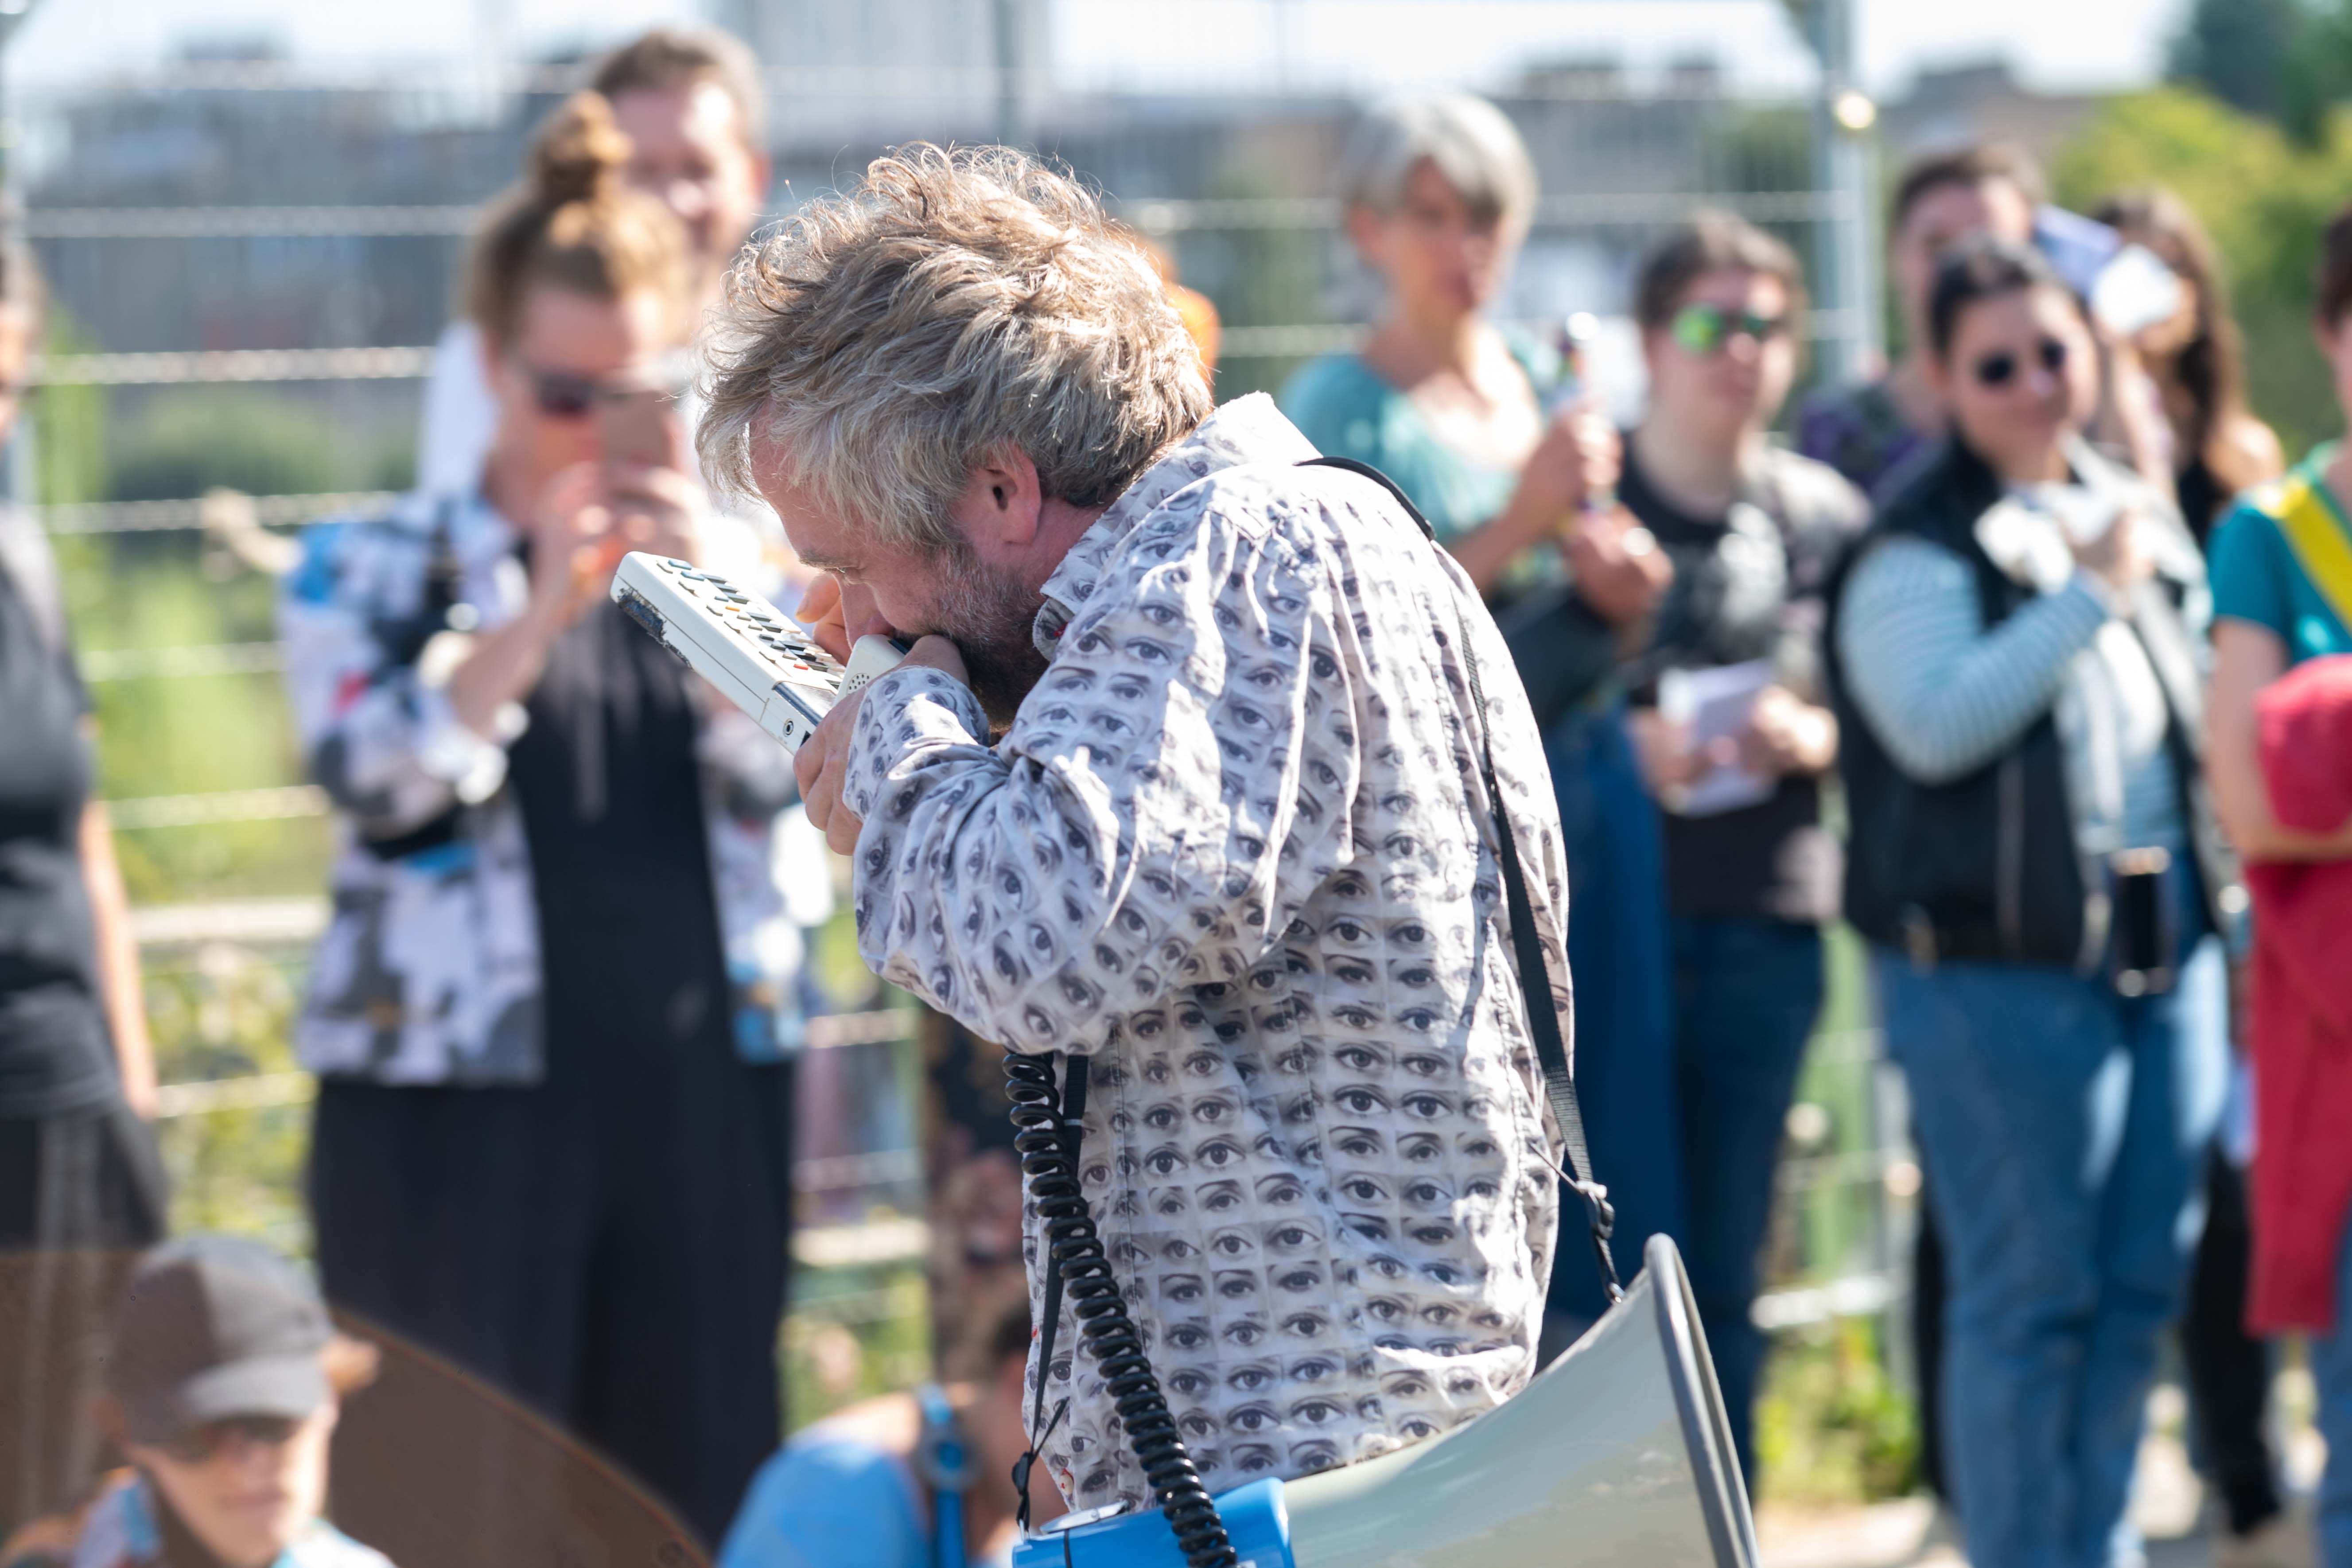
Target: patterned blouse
{"x":429,"y":972}
{"x":1235,"y":848}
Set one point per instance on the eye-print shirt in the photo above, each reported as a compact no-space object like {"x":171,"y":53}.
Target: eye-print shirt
{"x":1236,"y":849}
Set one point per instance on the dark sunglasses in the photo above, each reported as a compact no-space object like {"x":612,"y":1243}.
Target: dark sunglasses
{"x":567,"y":394}
{"x":1998,"y":370}
{"x":198,"y":1444}
{"x":1704,"y":329}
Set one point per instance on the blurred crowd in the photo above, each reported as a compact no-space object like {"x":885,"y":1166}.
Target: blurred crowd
{"x":2023,"y":658}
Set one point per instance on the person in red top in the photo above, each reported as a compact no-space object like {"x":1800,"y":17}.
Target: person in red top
{"x":2279,"y":753}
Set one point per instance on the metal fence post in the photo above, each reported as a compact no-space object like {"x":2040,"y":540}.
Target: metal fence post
{"x":1846,"y":261}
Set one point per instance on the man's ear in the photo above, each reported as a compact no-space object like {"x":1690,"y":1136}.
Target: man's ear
{"x":1010,"y":496}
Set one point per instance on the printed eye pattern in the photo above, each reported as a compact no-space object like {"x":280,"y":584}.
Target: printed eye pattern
{"x":1313,"y":1096}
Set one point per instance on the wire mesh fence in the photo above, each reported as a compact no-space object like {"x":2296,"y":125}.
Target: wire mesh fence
{"x":251,"y":262}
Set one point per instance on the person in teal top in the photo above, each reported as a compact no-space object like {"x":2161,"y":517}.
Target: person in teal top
{"x":1350,"y":410}
{"x":2258,"y":581}
{"x":1439,"y":194}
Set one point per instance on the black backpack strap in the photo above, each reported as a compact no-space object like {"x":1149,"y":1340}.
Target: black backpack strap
{"x":1527,"y":947}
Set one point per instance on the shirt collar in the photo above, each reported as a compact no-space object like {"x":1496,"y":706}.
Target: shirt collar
{"x":1246,"y":430}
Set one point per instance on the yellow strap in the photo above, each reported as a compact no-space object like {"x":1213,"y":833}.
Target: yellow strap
{"x":2319,"y":546}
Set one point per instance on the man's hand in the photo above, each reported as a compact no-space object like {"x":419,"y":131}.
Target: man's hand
{"x":821,"y":764}
{"x":837,"y":613}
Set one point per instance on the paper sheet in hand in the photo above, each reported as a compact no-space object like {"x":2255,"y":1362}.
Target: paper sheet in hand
{"x":1713,"y":705}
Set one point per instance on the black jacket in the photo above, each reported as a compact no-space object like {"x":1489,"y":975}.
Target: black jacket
{"x":1989,"y":866}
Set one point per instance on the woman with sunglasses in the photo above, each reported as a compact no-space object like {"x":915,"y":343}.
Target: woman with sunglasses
{"x":2014,"y":655}
{"x":550,"y":1015}
{"x":1751,"y":874}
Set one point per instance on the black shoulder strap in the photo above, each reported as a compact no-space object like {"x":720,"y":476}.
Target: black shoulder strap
{"x":1535,"y":976}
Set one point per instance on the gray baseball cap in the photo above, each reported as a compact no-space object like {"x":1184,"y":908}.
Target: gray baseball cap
{"x":212,"y":1327}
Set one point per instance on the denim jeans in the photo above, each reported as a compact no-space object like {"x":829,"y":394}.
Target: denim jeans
{"x":1745,"y":993}
{"x":2065,"y":1126}
{"x":2331,"y":1369}
{"x":1617,"y":958}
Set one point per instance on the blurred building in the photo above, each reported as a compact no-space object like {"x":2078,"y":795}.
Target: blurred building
{"x":1981,"y":102}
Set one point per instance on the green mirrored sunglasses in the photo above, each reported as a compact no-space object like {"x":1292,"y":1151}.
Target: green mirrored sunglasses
{"x":1704,"y":329}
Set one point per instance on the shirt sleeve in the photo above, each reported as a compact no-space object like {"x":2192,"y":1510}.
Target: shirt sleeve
{"x":827,"y":1503}
{"x":2251,"y":573}
{"x":379,"y":739}
{"x":1944,"y":695}
{"x":1170,"y":795}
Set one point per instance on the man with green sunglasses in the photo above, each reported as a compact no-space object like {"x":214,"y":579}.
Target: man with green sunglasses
{"x":1701,"y":328}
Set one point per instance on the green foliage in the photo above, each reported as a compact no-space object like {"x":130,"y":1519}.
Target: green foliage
{"x":68,"y":424}
{"x":1831,"y":1426}
{"x":188,"y":736}
{"x":2265,"y":199}
{"x":853,"y":1333}
{"x":2288,"y":61}
{"x":224,"y":1014}
{"x":253,"y":441}
{"x":2238,"y":50}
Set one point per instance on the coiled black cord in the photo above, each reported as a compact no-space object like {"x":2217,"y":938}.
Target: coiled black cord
{"x":1108,"y":1334}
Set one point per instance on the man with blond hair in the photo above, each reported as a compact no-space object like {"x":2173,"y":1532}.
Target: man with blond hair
{"x":691,"y":104}
{"x":1184,"y":776}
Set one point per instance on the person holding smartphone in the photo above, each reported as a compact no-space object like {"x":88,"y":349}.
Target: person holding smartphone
{"x":551,"y":1015}
{"x":2031,"y":857}
{"x":2283,"y":632}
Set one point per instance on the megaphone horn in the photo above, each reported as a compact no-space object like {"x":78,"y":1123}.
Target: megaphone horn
{"x":1619,"y":1452}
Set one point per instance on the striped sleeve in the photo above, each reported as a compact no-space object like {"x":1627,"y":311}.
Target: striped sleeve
{"x":1944,"y":695}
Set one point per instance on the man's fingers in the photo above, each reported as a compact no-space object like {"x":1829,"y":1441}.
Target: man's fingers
{"x":841,"y":837}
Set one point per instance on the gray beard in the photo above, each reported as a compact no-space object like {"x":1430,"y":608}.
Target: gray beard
{"x":989,"y":615}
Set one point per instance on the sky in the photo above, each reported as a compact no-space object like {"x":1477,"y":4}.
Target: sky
{"x":2079,"y":45}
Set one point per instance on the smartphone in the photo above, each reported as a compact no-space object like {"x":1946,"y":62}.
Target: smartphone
{"x":2147,"y":924}
{"x":635,"y":431}
{"x":2127,"y":287}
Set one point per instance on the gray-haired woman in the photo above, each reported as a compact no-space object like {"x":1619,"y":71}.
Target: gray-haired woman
{"x":1440,"y":193}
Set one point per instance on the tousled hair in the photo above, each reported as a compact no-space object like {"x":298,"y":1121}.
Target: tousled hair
{"x":679,"y":59}
{"x":1972,"y":165}
{"x":573,"y":222}
{"x":954,"y":306}
{"x":1979,"y":268}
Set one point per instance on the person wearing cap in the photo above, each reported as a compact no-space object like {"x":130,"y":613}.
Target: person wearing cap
{"x":224,"y":1379}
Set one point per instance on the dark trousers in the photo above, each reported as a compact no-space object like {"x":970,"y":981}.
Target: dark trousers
{"x":2229,"y":1370}
{"x":1747,"y":992}
{"x":86,"y":1178}
{"x":612,"y":1246}
{"x":1619,"y":957}
{"x":80,"y":1191}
